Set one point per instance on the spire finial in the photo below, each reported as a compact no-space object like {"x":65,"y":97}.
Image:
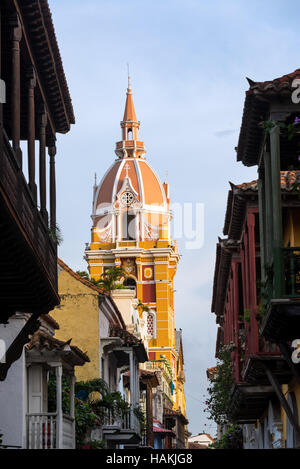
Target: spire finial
{"x":167,"y":177}
{"x":129,"y":80}
{"x":95,"y":179}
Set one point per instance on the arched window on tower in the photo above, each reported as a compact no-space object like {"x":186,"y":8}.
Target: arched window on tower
{"x":151,"y":324}
{"x":129,"y":134}
{"x":130,"y":283}
{"x":128,"y":226}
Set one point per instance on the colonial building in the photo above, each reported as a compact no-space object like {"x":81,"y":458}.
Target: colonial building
{"x":131,"y":229}
{"x":256,"y":286}
{"x":26,"y":417}
{"x":35,"y":105}
{"x":96,"y":324}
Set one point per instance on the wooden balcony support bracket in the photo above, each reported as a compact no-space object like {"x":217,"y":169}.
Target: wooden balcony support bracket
{"x":16,"y":36}
{"x":16,"y":348}
{"x":277,"y":388}
{"x":31,"y":84}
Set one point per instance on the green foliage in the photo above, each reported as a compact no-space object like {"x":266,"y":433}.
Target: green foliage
{"x":247,"y":315}
{"x":52,"y":394}
{"x":142,"y":307}
{"x":140,"y":414}
{"x":56,"y":235}
{"x":114,"y":402}
{"x":232,"y":439}
{"x":288,"y":130}
{"x":110,"y":279}
{"x":94,"y":385}
{"x":94,"y":444}
{"x":85,"y":418}
{"x":219,"y":389}
{"x":83,"y":274}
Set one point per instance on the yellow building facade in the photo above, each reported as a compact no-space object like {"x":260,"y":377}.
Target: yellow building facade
{"x":131,"y":229}
{"x":79,"y":317}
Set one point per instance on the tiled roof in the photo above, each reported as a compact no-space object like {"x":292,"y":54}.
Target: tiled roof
{"x":176,"y":414}
{"x":287,"y":179}
{"x":256,"y":109}
{"x":50,"y":320}
{"x":278,"y":85}
{"x":196,"y":446}
{"x":235,"y":210}
{"x":81,"y":279}
{"x":40,"y":341}
{"x":211,"y":372}
{"x":39,"y":26}
{"x":129,"y":340}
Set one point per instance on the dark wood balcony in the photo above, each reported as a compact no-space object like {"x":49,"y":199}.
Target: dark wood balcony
{"x":28,"y":270}
{"x":283,"y":298}
{"x":248,"y":402}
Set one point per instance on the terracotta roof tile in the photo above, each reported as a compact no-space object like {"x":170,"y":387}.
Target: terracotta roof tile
{"x":277,"y":85}
{"x":50,"y":320}
{"x":40,"y":340}
{"x":78,"y":277}
{"x":175,"y":413}
{"x":196,"y":446}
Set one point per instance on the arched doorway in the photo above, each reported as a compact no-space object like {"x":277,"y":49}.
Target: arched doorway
{"x":130,"y":283}
{"x":128,"y":226}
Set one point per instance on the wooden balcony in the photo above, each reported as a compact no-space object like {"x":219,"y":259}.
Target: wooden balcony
{"x":248,"y":402}
{"x":119,"y":429}
{"x":28,"y":265}
{"x":267,"y":354}
{"x":283,"y":298}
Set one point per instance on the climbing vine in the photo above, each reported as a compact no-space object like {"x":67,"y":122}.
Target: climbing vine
{"x":232,"y":439}
{"x":219,"y":390}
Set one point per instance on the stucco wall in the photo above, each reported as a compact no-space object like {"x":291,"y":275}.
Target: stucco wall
{"x":13,"y":393}
{"x":78,"y":318}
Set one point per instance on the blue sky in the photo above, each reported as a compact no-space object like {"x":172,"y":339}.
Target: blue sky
{"x":188,"y":62}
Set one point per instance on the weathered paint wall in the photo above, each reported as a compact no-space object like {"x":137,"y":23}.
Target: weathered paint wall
{"x":13,"y":391}
{"x":78,"y":318}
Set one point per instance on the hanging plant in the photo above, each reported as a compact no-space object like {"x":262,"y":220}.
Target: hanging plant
{"x":56,"y":235}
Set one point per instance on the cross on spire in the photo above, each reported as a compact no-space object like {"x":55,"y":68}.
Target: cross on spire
{"x":129,"y":83}
{"x":127,"y":167}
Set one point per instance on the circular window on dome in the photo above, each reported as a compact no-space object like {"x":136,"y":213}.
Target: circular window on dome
{"x":127,"y":198}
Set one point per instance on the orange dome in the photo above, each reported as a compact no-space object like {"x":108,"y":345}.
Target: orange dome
{"x":145,"y":184}
{"x":130,"y":192}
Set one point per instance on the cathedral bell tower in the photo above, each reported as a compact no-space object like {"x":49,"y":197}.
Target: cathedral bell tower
{"x":131,"y":228}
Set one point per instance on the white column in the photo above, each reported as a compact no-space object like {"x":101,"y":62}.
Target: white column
{"x":59,"y":412}
{"x":142,"y":226}
{"x":119,"y":219}
{"x":137,"y":227}
{"x":113,"y":227}
{"x":132,"y":385}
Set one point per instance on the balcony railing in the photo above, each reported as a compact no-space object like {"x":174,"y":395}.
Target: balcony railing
{"x":29,"y":224}
{"x":284,"y":283}
{"x":125,"y":421}
{"x":291,"y":262}
{"x":42,"y":431}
